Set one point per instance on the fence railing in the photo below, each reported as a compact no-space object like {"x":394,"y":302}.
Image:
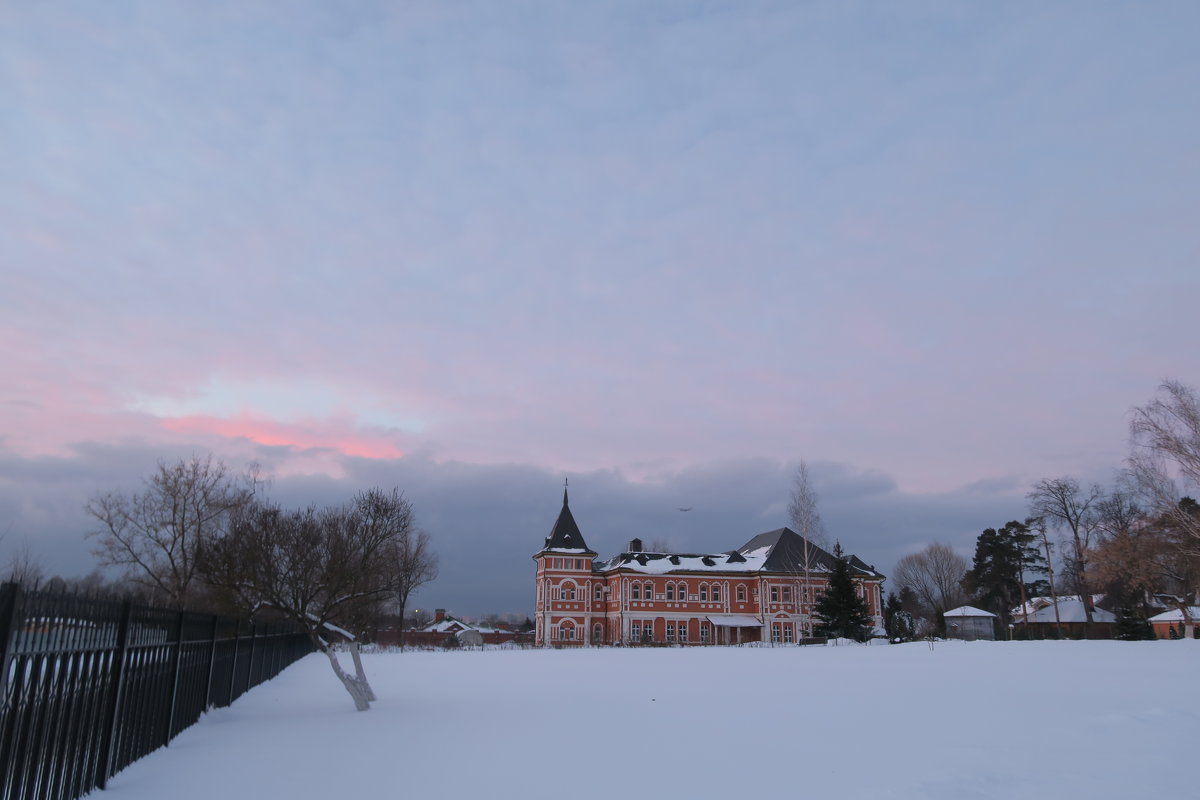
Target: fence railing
{"x":88,"y":686}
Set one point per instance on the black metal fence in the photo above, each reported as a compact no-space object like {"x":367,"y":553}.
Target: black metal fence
{"x":89,"y":686}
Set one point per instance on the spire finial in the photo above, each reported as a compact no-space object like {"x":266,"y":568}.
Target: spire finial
{"x":564,"y":491}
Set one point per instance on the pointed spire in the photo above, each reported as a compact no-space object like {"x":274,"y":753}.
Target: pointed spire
{"x":565,"y":534}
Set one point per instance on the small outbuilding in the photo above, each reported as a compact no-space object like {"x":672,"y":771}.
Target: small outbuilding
{"x":1183,"y":621}
{"x":970,"y":623}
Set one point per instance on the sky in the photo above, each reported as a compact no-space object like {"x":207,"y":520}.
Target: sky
{"x":665,"y":250}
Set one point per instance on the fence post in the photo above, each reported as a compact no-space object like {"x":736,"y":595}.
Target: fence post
{"x":212,"y":662}
{"x":237,"y":635}
{"x":108,"y":750}
{"x":176,"y":663}
{"x":250,"y":668}
{"x":9,"y":606}
{"x":8,"y":627}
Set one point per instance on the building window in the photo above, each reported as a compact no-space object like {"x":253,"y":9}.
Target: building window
{"x":741,"y":595}
{"x":670,"y":591}
{"x":787,"y":634}
{"x":775,"y":632}
{"x":774,"y":594}
{"x":703,"y":593}
{"x":716,"y":594}
{"x":683,"y":632}
{"x":635,"y":631}
{"x":598,"y":591}
{"x":704,"y":633}
{"x":787,"y":594}
{"x":683,"y":591}
{"x":568,"y":591}
{"x":637,"y":591}
{"x":597,"y":633}
{"x":670,"y":631}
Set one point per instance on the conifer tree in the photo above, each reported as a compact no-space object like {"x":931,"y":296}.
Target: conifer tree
{"x":839,"y":611}
{"x":1003,"y":559}
{"x":1131,"y":622}
{"x":897,"y":622}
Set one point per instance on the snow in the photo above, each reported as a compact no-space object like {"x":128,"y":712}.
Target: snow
{"x":735,"y":620}
{"x":1070,"y":609}
{"x":663,"y":563}
{"x":1176,"y":615}
{"x":968,"y":611}
{"x":951,"y":720}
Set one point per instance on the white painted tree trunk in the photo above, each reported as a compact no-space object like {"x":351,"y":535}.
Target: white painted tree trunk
{"x":359,"y":675}
{"x":359,"y":691}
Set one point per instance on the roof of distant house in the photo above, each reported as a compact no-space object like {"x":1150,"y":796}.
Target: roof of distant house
{"x":1070,"y":609}
{"x":967,"y":611}
{"x":1176,"y":615}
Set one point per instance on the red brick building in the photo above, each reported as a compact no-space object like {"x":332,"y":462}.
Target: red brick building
{"x":759,"y":592}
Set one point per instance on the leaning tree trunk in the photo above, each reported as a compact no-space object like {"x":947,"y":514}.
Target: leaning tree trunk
{"x":357,"y":686}
{"x":359,"y":675}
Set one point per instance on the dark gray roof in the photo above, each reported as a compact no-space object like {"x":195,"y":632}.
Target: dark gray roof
{"x":787,"y":553}
{"x":565,"y":534}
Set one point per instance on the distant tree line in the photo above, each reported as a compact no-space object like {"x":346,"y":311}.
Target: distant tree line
{"x":200,"y":535}
{"x":1137,"y":542}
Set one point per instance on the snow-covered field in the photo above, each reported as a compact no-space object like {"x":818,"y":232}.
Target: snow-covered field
{"x":981,"y":720}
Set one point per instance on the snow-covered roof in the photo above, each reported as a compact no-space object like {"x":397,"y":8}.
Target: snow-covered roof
{"x":734,"y":620}
{"x":780,"y":550}
{"x":968,"y":611}
{"x":661,"y":563}
{"x":1070,"y":609}
{"x":1176,"y":615}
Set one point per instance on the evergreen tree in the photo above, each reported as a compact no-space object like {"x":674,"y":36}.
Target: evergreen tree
{"x":1131,"y":622}
{"x":839,"y":611}
{"x":1003,"y":557}
{"x":897,"y":622}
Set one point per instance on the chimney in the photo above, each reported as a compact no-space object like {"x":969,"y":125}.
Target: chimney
{"x":439,"y":614}
{"x":635,"y":545}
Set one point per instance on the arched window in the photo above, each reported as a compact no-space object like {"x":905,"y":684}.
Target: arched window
{"x":683,"y":591}
{"x":635,"y":631}
{"x":704,"y":593}
{"x":599,"y":592}
{"x":637,"y":591}
{"x":741,"y":595}
{"x":597,"y":633}
{"x":649,"y":593}
{"x":671,"y":592}
{"x":566,"y":631}
{"x":568,"y":591}
{"x":716,"y":593}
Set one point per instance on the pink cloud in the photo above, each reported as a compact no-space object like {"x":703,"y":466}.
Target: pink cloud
{"x":307,"y":435}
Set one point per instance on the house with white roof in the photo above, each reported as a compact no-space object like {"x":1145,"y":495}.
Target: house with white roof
{"x":1185,"y":620}
{"x":1040,"y":618}
{"x":761,"y":591}
{"x":970,"y":623}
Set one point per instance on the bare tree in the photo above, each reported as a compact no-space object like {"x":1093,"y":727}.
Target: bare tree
{"x":806,"y":521}
{"x":24,"y":568}
{"x":157,"y":534}
{"x":935,"y":576}
{"x":1064,"y":505}
{"x":325,"y":569}
{"x":410,"y":563}
{"x":1165,"y":455}
{"x":1038,"y":524}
